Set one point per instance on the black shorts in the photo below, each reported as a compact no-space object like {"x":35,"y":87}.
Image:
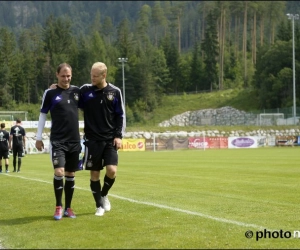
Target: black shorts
{"x":65,"y":155}
{"x":4,"y":154}
{"x":98,"y":154}
{"x":18,"y":150}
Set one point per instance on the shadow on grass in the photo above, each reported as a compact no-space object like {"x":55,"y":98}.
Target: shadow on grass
{"x":26,"y":220}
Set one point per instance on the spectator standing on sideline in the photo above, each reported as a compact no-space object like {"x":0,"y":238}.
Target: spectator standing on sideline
{"x":104,"y":125}
{"x":65,"y":147}
{"x":17,"y":143}
{"x":4,"y":139}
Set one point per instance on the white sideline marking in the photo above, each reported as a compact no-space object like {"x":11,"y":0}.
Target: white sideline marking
{"x":238,"y":223}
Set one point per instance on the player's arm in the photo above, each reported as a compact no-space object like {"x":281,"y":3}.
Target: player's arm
{"x":9,"y":141}
{"x":24,"y":142}
{"x":120,"y":122}
{"x":41,"y":124}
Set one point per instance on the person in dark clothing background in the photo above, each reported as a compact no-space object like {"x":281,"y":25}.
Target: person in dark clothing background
{"x":4,"y":139}
{"x":17,"y":143}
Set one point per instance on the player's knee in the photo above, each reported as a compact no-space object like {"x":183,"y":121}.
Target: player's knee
{"x":95,"y":175}
{"x":59,"y":171}
{"x":111,"y":171}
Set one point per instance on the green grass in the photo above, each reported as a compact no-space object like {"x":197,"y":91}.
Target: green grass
{"x":172,"y":105}
{"x":164,"y":199}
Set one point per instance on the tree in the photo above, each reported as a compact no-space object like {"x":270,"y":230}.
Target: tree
{"x":157,"y":18}
{"x":196,"y":75}
{"x":284,"y":30}
{"x":210,"y":49}
{"x":245,"y":42}
{"x":108,"y":29}
{"x":222,"y":7}
{"x":177,"y":12}
{"x":142,"y":26}
{"x":124,"y":42}
{"x":172,"y":59}
{"x":274,"y":13}
{"x":57,"y":37}
{"x":96,"y":24}
{"x":8,"y":61}
{"x":273,"y":76}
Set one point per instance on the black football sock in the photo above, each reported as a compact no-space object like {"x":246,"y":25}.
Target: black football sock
{"x":6,"y":167}
{"x":19,"y":163}
{"x":107,"y":185}
{"x":58,"y":184}
{"x":96,"y":190}
{"x":69,"y":190}
{"x":14,"y":163}
{"x":1,"y":167}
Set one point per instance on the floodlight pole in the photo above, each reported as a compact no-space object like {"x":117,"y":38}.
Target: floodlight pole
{"x":123,"y":60}
{"x":293,"y":17}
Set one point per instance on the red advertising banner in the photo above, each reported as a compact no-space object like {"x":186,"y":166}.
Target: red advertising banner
{"x":198,"y":142}
{"x":218,"y":142}
{"x":208,"y":142}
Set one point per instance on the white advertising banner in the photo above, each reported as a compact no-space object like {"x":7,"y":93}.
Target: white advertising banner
{"x":266,"y":141}
{"x":242,"y":142}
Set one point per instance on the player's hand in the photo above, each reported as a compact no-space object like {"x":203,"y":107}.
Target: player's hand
{"x":118,"y":143}
{"x":53,"y":86}
{"x":39,"y":145}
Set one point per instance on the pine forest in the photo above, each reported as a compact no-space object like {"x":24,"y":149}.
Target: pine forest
{"x":157,"y":48}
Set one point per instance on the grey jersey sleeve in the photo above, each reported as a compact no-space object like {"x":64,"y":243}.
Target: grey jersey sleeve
{"x":41,"y":125}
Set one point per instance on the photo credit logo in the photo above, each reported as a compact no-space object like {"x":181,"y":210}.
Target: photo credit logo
{"x":266,"y":234}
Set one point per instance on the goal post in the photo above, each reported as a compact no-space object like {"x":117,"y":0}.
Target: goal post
{"x":13,"y":115}
{"x":4,"y":118}
{"x":271,"y":119}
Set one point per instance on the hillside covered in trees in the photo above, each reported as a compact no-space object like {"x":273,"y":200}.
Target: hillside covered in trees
{"x":172,"y":47}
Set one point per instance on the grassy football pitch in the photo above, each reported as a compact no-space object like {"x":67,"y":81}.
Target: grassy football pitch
{"x":164,"y":199}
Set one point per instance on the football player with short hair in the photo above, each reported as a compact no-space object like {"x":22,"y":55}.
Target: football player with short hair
{"x":4,"y":154}
{"x":65,"y":147}
{"x":17,"y":143}
{"x":104,"y":126}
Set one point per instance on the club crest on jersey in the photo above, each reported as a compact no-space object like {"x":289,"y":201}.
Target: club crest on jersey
{"x":110,"y":96}
{"x":55,"y":161}
{"x":76,"y":96}
{"x":89,"y":164}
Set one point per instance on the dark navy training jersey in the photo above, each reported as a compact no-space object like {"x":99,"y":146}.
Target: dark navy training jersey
{"x":104,"y":116}
{"x":63,"y":107}
{"x":18,"y":132}
{"x":4,"y":138}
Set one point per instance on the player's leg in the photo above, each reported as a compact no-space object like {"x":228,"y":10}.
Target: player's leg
{"x":93,"y":163}
{"x":20,"y":154}
{"x":69,"y":191}
{"x":15,"y":152}
{"x":6,"y":155}
{"x":110,"y":157}
{"x":58,"y":162}
{"x":72,"y":160}
{"x":0,"y":162}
